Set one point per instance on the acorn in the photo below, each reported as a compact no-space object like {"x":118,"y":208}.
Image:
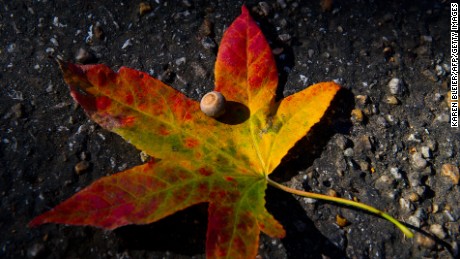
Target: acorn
{"x":213,"y":104}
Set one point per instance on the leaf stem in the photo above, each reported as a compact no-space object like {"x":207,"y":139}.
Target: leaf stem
{"x":351,"y":203}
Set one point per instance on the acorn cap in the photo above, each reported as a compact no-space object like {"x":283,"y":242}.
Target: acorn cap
{"x":213,"y":104}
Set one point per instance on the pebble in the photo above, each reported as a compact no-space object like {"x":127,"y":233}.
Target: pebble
{"x":405,"y":204}
{"x":348,"y":152}
{"x":418,"y":162}
{"x":395,"y":86}
{"x":54,"y":42}
{"x":362,"y":100}
{"x":180,"y":61}
{"x":81,"y":167}
{"x":425,"y":241}
{"x":392,"y":100}
{"x":208,"y":43}
{"x":394,"y":171}
{"x":83,"y":56}
{"x":426,"y":152}
{"x":364,"y":166}
{"x":144,"y":156}
{"x":414,"y":221}
{"x":144,"y":8}
{"x":264,"y":8}
{"x":284,"y":37}
{"x":451,"y":171}
{"x":126,"y":44}
{"x":438,"y":231}
{"x":357,"y":115}
{"x":414,"y":197}
{"x":341,"y":221}
{"x":414,"y":179}
{"x":332,"y":193}
{"x":363,"y":143}
{"x":414,"y":137}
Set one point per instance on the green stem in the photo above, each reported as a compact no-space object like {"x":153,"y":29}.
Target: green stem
{"x":355,"y":204}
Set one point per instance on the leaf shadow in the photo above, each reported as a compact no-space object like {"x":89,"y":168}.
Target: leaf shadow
{"x":183,"y":233}
{"x":308,"y":242}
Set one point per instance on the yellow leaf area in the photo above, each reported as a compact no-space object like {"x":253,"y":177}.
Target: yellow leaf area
{"x":224,"y":162}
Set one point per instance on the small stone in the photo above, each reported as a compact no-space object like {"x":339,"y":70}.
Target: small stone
{"x":392,"y":100}
{"x":394,"y":171}
{"x":414,"y":137}
{"x":438,"y":231}
{"x":418,"y":162}
{"x":332,"y":193}
{"x":425,"y":241}
{"x":208,"y":43}
{"x":264,"y":8}
{"x":363,"y":143}
{"x":364,"y":166}
{"x":440,"y":71}
{"x":451,"y":171}
{"x":81,"y":167}
{"x":395,"y":86}
{"x":362,"y":100}
{"x":426,"y":152}
{"x":405,"y":204}
{"x":144,"y":8}
{"x":54,"y":42}
{"x":357,"y":115}
{"x":180,"y":61}
{"x":414,"y":197}
{"x":341,"y":221}
{"x":126,"y":44}
{"x":144,"y":156}
{"x":83,"y":56}
{"x":348,"y":152}
{"x":284,"y":37}
{"x":414,"y":221}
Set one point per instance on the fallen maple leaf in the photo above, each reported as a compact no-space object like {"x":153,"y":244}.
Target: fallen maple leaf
{"x":197,"y":159}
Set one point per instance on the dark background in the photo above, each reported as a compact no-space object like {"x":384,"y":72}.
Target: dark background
{"x":387,"y":152}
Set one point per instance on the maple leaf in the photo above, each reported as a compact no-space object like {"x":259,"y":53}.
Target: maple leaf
{"x":197,"y":159}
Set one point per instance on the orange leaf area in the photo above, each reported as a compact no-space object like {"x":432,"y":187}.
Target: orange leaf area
{"x":224,"y":162}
